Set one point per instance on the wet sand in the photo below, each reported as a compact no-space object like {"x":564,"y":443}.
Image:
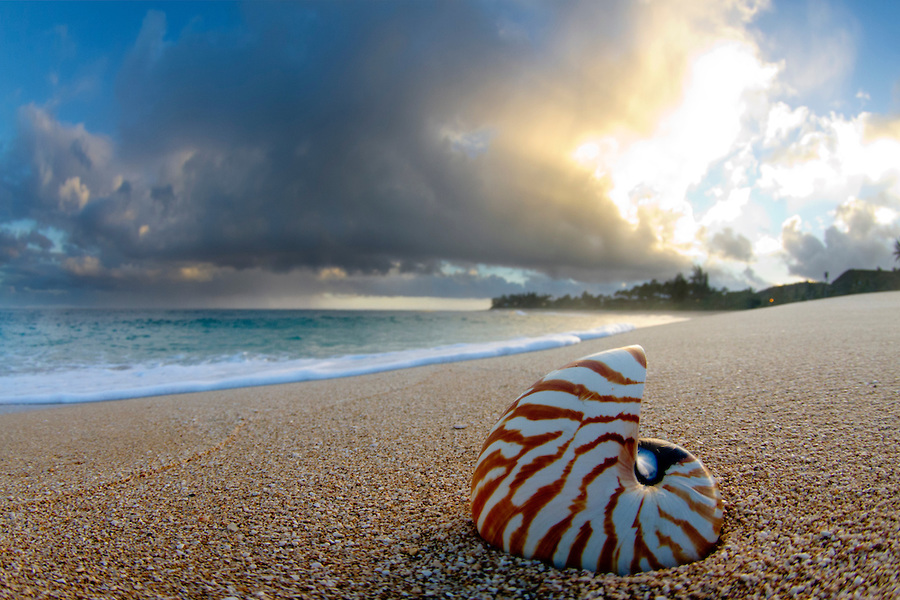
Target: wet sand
{"x":358,"y":487}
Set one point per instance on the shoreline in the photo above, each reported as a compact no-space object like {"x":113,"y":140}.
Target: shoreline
{"x":300,"y":369}
{"x":358,"y":487}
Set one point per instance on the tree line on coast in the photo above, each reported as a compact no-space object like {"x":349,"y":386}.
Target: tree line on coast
{"x":695,"y":293}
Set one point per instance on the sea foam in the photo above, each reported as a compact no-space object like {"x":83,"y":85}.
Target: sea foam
{"x":96,"y":383}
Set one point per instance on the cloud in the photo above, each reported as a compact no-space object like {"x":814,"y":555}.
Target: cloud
{"x":846,"y":167}
{"x":83,"y":266}
{"x":728,"y":209}
{"x":783,"y":120}
{"x":829,"y":159}
{"x":14,"y":245}
{"x":730,"y":245}
{"x":51,"y":169}
{"x":73,"y":195}
{"x":419,"y":149}
{"x":862,"y":234}
{"x":368,"y":140}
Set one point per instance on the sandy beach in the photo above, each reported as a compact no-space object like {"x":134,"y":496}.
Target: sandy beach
{"x":359,"y":487}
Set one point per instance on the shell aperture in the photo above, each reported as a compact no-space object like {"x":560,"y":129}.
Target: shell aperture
{"x":563,"y":477}
{"x":646,"y":467}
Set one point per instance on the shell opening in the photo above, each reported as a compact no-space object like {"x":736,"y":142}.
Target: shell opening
{"x":654,"y":458}
{"x":645,"y":467}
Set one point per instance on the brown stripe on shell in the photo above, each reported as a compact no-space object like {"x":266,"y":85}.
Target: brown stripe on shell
{"x":607,"y":559}
{"x":708,"y":491}
{"x":509,"y":409}
{"x":610,"y":418}
{"x":605,"y":371}
{"x":690,"y":468}
{"x":690,"y":478}
{"x":638,"y":354}
{"x":705,"y":510}
{"x":576,"y":552}
{"x":641,"y":549}
{"x":677,"y":553}
{"x":578,"y":390}
{"x":543,"y":412}
{"x":699,"y":542}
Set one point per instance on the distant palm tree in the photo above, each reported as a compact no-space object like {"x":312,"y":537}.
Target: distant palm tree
{"x":897,"y":249}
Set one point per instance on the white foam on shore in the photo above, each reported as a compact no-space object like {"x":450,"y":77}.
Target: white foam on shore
{"x":99,"y":383}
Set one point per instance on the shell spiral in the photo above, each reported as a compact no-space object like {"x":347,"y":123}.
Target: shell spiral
{"x":563,"y":477}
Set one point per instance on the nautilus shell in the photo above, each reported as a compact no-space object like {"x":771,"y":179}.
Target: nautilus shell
{"x":563,"y":478}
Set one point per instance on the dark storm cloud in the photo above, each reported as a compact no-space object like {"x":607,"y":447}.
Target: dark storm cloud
{"x":729,"y":244}
{"x":320,"y":144}
{"x":12,"y":246}
{"x":369,"y":137}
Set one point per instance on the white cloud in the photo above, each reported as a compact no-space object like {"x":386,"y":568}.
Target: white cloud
{"x":728,"y":209}
{"x":73,"y":195}
{"x":783,"y":120}
{"x":830,"y":160}
{"x":767,"y":245}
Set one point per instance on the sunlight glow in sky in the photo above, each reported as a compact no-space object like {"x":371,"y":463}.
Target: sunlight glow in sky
{"x":434,"y":155}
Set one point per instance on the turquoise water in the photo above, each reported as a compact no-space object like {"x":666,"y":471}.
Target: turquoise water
{"x":82,"y":355}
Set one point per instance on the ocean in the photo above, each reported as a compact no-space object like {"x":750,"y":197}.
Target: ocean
{"x":50,"y":356}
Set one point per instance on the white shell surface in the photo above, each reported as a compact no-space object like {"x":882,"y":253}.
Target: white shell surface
{"x":556,"y":477}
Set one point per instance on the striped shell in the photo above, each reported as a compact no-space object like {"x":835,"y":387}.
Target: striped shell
{"x":563,"y":478}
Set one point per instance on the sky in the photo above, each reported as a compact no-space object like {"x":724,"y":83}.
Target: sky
{"x":408,"y":154}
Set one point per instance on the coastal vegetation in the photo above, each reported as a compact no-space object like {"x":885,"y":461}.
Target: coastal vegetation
{"x":695,"y":293}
